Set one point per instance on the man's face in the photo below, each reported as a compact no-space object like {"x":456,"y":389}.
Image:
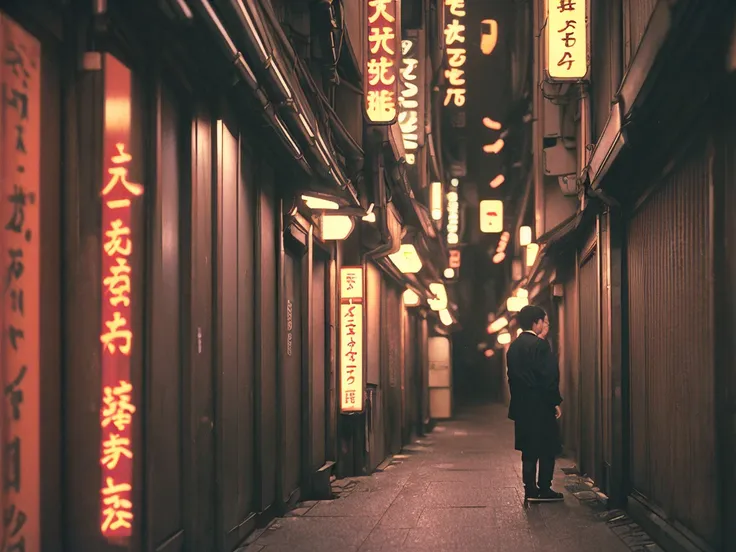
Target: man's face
{"x":542,"y":328}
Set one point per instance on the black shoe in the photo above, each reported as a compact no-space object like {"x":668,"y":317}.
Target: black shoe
{"x":531,"y":494}
{"x":548,"y":495}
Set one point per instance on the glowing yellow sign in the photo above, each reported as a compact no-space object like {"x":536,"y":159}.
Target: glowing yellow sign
{"x":457,"y":53}
{"x":491,"y":216}
{"x":351,"y":339}
{"x":567,"y":40}
{"x":382,"y":74}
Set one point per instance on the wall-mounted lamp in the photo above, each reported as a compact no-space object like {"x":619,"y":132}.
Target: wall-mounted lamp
{"x":498,"y":324}
{"x":336,"y":227}
{"x":440,"y":293}
{"x":407,"y":259}
{"x":525,"y":236}
{"x":411,"y":298}
{"x":496,"y":182}
{"x":445,"y":317}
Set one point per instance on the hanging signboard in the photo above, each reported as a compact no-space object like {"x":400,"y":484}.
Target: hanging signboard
{"x":352,"y":338}
{"x":491,"y":216}
{"x":20,"y":158}
{"x":411,"y":99}
{"x":567,"y":40}
{"x":119,"y":237}
{"x":381,"y":82}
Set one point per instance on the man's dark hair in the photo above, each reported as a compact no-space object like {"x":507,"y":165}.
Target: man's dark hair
{"x":530,"y":315}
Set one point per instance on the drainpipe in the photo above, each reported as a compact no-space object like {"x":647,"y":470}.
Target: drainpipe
{"x":538,"y":119}
{"x":374,"y":140}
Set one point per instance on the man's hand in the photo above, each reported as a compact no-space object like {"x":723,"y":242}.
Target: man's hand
{"x":558,"y":412}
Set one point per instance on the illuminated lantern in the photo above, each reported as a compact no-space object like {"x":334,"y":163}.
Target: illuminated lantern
{"x":449,"y":273}
{"x":504,"y":338}
{"x":531,"y":254}
{"x":336,"y":227}
{"x":440,"y":303}
{"x":411,"y":298}
{"x":445,"y":317}
{"x":491,"y":216}
{"x":567,"y":40}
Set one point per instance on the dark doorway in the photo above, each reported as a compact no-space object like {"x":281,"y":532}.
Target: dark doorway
{"x":291,"y":376}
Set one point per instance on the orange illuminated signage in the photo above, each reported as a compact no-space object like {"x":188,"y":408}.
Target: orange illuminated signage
{"x":20,"y":238}
{"x":567,"y":39}
{"x":454,"y":258}
{"x":118,"y":194}
{"x":457,"y":53}
{"x":352,"y":338}
{"x":381,"y":82}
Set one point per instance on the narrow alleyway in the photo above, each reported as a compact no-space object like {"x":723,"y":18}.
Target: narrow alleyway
{"x":456,"y":489}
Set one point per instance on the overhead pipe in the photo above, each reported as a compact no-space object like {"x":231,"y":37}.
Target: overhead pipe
{"x":296,"y":116}
{"x":246,"y":73}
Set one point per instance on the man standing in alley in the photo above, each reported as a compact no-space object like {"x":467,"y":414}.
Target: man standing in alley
{"x":535,"y":404}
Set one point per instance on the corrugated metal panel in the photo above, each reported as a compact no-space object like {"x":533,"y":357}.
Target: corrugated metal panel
{"x":638,"y":14}
{"x":671,"y":353}
{"x":589,"y":368}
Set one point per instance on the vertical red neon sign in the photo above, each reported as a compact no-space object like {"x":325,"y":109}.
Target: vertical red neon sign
{"x":116,"y":335}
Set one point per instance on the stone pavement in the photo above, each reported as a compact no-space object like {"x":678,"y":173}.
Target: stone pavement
{"x":456,"y":489}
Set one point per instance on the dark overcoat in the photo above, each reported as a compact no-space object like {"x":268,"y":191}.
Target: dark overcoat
{"x":534,"y":381}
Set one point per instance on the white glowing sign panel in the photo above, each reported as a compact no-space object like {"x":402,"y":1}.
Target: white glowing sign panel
{"x":453,"y":217}
{"x":352,"y":338}
{"x":567,"y":40}
{"x":410,"y":118}
{"x":491,"y":216}
{"x":457,"y":53}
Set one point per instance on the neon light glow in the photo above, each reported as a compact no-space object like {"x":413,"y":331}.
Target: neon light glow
{"x":406,"y":259}
{"x":116,"y":336}
{"x":496,"y":182}
{"x":488,"y":36}
{"x":409,"y":97}
{"x":567,"y":40}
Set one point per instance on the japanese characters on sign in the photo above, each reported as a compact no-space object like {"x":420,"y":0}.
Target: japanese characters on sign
{"x":411,"y":113}
{"x":352,"y":338}
{"x":381,"y":82}
{"x":20,"y":78}
{"x":454,"y":261}
{"x":457,"y":53}
{"x":118,"y":193}
{"x":491,"y":216}
{"x":567,"y":48}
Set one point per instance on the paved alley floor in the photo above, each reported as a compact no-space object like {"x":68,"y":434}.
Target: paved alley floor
{"x":458,"y":488}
